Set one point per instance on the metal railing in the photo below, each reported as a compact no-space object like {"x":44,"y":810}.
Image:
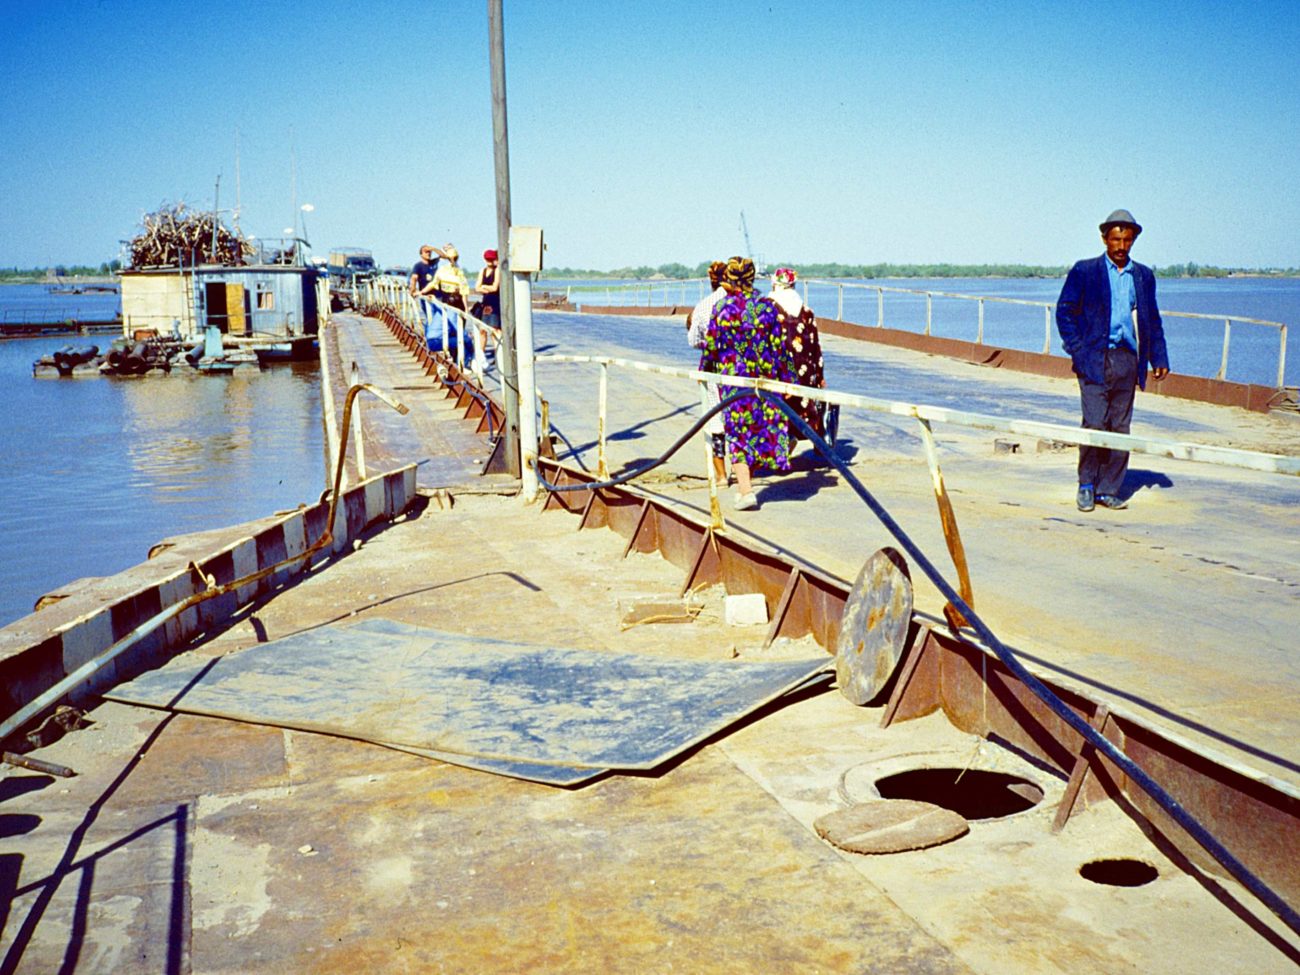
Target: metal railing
{"x":394,"y":294}
{"x":672,"y":291}
{"x":925,"y":415}
{"x":1049,"y":316}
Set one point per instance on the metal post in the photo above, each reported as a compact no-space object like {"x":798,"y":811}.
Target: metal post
{"x":929,"y":311}
{"x":528,"y":442}
{"x":355,"y":380}
{"x":460,"y":340}
{"x":715,"y":508}
{"x":506,"y":360}
{"x":1223,"y":363}
{"x":979,"y":333}
{"x":1281,"y":360}
{"x":602,"y":462}
{"x":839,"y":304}
{"x":1047,"y":322}
{"x":880,"y":308}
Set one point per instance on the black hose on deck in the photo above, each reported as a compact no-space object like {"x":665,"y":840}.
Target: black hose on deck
{"x":481,"y":397}
{"x":1289,"y":916}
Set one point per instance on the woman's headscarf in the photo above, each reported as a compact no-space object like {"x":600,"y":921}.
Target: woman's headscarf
{"x":738,"y":275}
{"x":715,"y":273}
{"x":784,"y":277}
{"x":490,"y":256}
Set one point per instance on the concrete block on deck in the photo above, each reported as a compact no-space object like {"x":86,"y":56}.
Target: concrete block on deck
{"x":745,"y":609}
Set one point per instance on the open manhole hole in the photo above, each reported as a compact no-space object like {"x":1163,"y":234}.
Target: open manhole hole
{"x":971,"y":793}
{"x":1119,"y":872}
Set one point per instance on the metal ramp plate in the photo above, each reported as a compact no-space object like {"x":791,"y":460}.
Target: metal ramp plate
{"x":554,"y":715}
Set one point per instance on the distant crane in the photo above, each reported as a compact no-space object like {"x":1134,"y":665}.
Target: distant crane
{"x":749,"y":248}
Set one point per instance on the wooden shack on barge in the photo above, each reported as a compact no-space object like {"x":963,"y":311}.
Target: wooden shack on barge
{"x":264,"y":304}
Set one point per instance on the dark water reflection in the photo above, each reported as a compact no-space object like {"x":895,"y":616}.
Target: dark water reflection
{"x":96,"y":470}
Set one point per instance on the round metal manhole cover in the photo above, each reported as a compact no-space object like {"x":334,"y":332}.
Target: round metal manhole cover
{"x":873,"y":629}
{"x":890,"y":826}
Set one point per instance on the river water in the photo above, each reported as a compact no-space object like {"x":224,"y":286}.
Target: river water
{"x":100,"y":469}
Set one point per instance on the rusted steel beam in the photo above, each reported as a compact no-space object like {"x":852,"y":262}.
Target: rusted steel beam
{"x":1082,"y":763}
{"x":705,"y":568}
{"x":637,"y":541}
{"x":912,"y":658}
{"x":782,"y":608}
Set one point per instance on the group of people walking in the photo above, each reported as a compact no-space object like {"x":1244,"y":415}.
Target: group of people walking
{"x":740,"y":333}
{"x":1107,"y":317}
{"x":438,"y":275}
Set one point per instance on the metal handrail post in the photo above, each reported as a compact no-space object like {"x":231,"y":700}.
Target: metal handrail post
{"x":1047,"y":323}
{"x":602,"y":463}
{"x":880,"y":307}
{"x":1223,"y":362}
{"x":979,"y":332}
{"x":839,"y":303}
{"x":715,"y":507}
{"x":460,"y":340}
{"x":929,"y":311}
{"x":355,"y":380}
{"x":1281,"y":360}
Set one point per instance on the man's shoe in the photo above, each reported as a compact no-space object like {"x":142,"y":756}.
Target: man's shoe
{"x":1111,"y":501}
{"x":1084,"y":500}
{"x":746,"y":502}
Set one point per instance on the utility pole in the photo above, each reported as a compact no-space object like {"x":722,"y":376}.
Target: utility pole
{"x":501,"y":154}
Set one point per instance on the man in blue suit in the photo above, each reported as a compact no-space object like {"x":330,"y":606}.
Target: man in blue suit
{"x":1111,"y":328}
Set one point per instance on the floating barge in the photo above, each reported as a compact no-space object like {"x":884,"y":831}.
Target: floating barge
{"x":222,"y":844}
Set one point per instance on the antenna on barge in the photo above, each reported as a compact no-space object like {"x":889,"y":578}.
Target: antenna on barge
{"x":749,"y":248}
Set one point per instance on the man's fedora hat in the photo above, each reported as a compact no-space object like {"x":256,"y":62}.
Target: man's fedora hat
{"x":1120,"y":218}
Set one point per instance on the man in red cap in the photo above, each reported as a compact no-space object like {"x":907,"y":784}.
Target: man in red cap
{"x":1111,"y":328}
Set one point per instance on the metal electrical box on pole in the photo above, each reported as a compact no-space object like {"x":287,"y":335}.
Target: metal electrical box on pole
{"x":508,"y":360}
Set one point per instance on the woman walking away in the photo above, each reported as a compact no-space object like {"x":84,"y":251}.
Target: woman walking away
{"x":803,"y":349}
{"x":744,"y":339}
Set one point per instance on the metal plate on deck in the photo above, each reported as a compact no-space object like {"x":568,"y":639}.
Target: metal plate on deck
{"x":548,"y":714}
{"x":873,"y":629}
{"x":890,"y":826}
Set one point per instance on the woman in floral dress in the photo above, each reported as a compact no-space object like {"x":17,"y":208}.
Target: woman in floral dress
{"x":803,"y":348}
{"x":745,"y":339}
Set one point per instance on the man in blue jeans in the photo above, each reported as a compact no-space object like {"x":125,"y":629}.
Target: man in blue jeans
{"x":1111,"y":328}
{"x":422,"y":273}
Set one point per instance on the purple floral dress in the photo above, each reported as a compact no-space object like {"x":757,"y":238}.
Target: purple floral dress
{"x":746,"y":339}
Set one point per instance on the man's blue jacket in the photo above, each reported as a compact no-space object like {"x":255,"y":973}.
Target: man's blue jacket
{"x":1083,"y":319}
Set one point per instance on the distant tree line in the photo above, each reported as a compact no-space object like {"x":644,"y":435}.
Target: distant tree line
{"x":677,"y":271}
{"x":15,"y":275}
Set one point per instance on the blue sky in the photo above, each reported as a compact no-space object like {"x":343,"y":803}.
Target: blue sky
{"x":850,"y":132}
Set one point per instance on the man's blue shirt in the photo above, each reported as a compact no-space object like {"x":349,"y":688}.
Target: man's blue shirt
{"x":1123,"y":299}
